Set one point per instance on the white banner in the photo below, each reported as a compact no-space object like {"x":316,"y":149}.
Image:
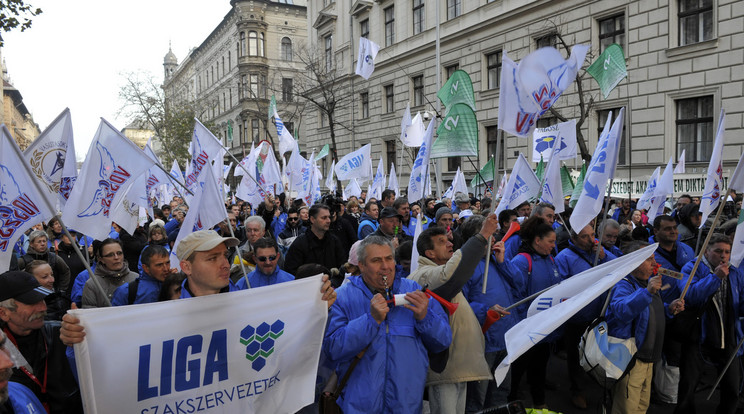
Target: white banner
{"x":714,"y":182}
{"x":252,"y":351}
{"x":357,"y":164}
{"x":563,"y":135}
{"x":522,"y":186}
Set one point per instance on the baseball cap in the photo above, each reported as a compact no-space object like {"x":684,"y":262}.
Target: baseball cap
{"x":353,"y":253}
{"x":202,"y":241}
{"x":388,"y":212}
{"x":22,"y":287}
{"x":462,"y":198}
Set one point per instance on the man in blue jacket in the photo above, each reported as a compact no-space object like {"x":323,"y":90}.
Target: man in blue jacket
{"x":671,"y":254}
{"x":267,"y":272}
{"x":391,"y":372}
{"x":720,"y":305}
{"x":14,"y":397}
{"x":155,"y":268}
{"x":636,"y":310}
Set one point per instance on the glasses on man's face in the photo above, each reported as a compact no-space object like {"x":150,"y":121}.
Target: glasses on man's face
{"x":113,"y":254}
{"x":293,"y":218}
{"x":266,"y":259}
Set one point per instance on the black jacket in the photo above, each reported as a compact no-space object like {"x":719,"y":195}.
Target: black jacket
{"x":308,"y":248}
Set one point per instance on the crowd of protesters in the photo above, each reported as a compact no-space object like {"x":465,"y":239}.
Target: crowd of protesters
{"x":421,"y":355}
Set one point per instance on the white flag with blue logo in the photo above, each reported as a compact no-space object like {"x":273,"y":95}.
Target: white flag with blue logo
{"x":664,"y":187}
{"x":196,"y":355}
{"x":22,"y":202}
{"x":366,"y":59}
{"x":714,"y":183}
{"x":599,"y":172}
{"x":286,"y":141}
{"x":564,"y":300}
{"x":393,"y":181}
{"x":352,"y":189}
{"x":644,"y":203}
{"x":737,"y":183}
{"x":357,"y":164}
{"x":204,"y":149}
{"x":48,"y":157}
{"x":552,"y":191}
{"x":112,"y":165}
{"x":522,"y":186}
{"x":378,"y":182}
{"x":558,"y":139}
{"x":420,"y":170}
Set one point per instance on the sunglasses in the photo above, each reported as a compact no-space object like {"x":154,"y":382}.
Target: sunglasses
{"x":266,"y":259}
{"x":293,"y":218}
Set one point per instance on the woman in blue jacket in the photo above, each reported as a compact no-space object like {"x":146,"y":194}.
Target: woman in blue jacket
{"x":535,"y":264}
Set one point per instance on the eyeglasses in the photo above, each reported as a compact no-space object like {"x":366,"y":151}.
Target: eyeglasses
{"x":113,"y":254}
{"x":292,"y":218}
{"x":266,"y":259}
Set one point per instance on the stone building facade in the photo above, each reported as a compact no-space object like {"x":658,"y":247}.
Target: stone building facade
{"x":684,"y":61}
{"x":232,"y":75}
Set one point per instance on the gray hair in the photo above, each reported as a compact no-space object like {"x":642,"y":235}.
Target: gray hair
{"x":9,"y":304}
{"x":540,"y":207}
{"x":609,"y":223}
{"x":36,"y":234}
{"x":372,"y":240}
{"x":256,"y":219}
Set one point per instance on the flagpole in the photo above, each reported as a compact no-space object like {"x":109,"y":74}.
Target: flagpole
{"x":478,"y":172}
{"x":240,"y":257}
{"x":243,"y":168}
{"x":44,"y":193}
{"x":173,"y":180}
{"x":602,"y":230}
{"x":702,"y":250}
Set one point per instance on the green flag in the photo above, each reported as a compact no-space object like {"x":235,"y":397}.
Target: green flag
{"x":486,"y":172}
{"x":457,"y":134}
{"x":540,"y":170}
{"x":609,"y":69}
{"x":323,"y":152}
{"x":229,"y":130}
{"x":458,"y":89}
{"x":566,"y":181}
{"x":579,"y":186}
{"x":272,"y":107}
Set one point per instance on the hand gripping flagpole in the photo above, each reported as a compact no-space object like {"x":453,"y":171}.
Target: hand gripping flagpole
{"x":44,"y":193}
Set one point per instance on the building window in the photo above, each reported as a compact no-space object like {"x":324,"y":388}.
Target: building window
{"x":289,"y":126}
{"x":695,"y":21}
{"x":493,"y":61}
{"x":287,"y":89}
{"x":243,"y":87}
{"x":454,"y":8}
{"x":255,"y":130}
{"x":549,"y":40}
{"x":364,"y":97}
{"x":418,"y":90}
{"x":253,"y":43}
{"x":453,"y":163}
{"x":329,"y":52}
{"x":449,"y":70}
{"x":390,"y":151}
{"x":390,"y":26}
{"x":253,"y":92}
{"x":262,"y":86}
{"x":242,"y":44}
{"x":695,"y":128}
{"x":418,"y":16}
{"x":622,"y":156}
{"x":493,"y":137}
{"x":286,"y":49}
{"x":322,"y":117}
{"x":364,"y":28}
{"x":611,"y":30}
{"x":546,"y":121}
{"x":229,"y":61}
{"x":389,"y":99}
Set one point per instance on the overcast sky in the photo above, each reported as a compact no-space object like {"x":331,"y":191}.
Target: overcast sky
{"x":76,"y":52}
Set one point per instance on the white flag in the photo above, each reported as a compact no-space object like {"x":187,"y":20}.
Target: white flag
{"x":412,"y":130}
{"x":352,"y":189}
{"x":306,"y":186}
{"x":405,"y":122}
{"x":22,"y":202}
{"x":531,"y":330}
{"x":599,"y":172}
{"x":644,"y":203}
{"x":459,"y":185}
{"x":205,"y":212}
{"x":357,"y":164}
{"x":737,"y":183}
{"x":420,"y":170}
{"x":205,"y":148}
{"x":552,"y":191}
{"x":378,"y":182}
{"x":393,"y":181}
{"x":286,"y":141}
{"x":366,"y":59}
{"x":530,"y":88}
{"x":500,"y":190}
{"x":330,"y":181}
{"x":522,"y":186}
{"x":680,"y":168}
{"x":664,"y":187}
{"x":714,"y":183}
{"x":414,"y":253}
{"x":264,"y":361}
{"x":48,"y":157}
{"x":262,"y":168}
{"x":112,"y":165}
{"x":558,"y":139}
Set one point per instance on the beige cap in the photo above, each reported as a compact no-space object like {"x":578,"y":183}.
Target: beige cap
{"x":202,"y":241}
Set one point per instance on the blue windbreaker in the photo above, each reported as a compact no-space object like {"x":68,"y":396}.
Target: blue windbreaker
{"x":148,"y":291}
{"x":258,"y":279}
{"x":572,"y":261}
{"x":23,"y":400}
{"x":390,"y":376}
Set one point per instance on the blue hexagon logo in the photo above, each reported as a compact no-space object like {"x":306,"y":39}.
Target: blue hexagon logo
{"x":259,"y":342}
